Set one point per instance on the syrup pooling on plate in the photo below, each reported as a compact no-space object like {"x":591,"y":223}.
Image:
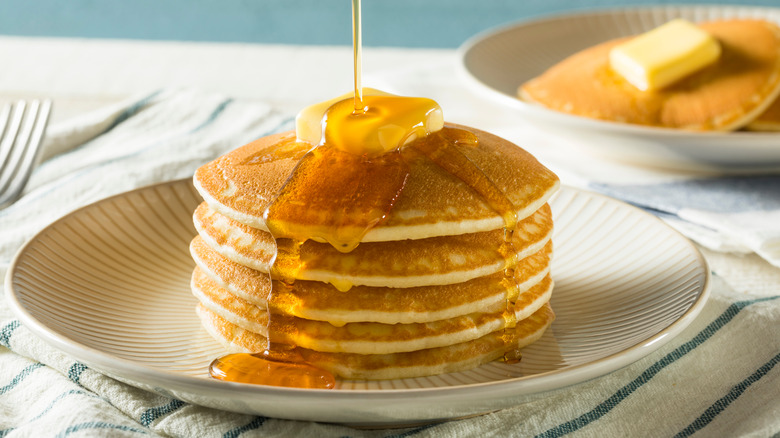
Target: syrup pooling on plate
{"x":285,"y":368}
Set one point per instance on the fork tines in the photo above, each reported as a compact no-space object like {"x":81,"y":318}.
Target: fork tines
{"x":22,"y":127}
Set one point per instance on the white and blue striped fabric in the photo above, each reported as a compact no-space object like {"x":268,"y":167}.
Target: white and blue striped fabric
{"x":718,"y":378}
{"x":725,"y":213}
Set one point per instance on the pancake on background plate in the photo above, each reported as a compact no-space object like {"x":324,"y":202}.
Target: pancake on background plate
{"x":724,"y":96}
{"x":437,"y":286}
{"x":769,"y":120}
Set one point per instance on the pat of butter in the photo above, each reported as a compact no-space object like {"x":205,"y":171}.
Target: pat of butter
{"x":664,"y":55}
{"x":308,"y":122}
{"x":387,"y":122}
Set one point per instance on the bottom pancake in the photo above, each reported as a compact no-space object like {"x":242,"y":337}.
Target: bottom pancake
{"x":452,"y":358}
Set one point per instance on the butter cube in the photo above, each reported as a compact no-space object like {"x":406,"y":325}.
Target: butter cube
{"x":308,"y":122}
{"x":664,"y":55}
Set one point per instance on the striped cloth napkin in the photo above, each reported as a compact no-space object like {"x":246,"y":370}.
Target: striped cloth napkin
{"x":718,"y":378}
{"x":737,"y":214}
{"x":724,"y":213}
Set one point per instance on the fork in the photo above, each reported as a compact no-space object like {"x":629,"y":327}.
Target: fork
{"x":21,"y":133}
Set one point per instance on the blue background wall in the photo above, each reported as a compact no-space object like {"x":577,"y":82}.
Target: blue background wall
{"x":412,"y":23}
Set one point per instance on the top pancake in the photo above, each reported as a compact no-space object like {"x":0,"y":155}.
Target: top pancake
{"x":433,"y":203}
{"x":721,"y":97}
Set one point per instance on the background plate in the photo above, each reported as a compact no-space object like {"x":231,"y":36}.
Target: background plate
{"x":497,"y":62}
{"x":109,"y":285}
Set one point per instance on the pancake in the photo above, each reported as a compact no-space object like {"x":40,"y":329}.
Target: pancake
{"x":724,"y":96}
{"x":404,"y":263}
{"x":321,"y":301}
{"x":436,"y":284}
{"x":242,"y":183}
{"x":366,"y":337}
{"x":769,"y":120}
{"x":426,"y":362}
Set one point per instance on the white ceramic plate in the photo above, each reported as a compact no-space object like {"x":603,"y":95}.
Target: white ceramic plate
{"x":496,"y":62}
{"x":109,"y":285}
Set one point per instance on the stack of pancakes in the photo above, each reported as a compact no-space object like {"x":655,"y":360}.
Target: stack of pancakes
{"x":436,"y":287}
{"x":730,"y":94}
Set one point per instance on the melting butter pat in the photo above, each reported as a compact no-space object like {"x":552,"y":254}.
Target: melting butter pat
{"x":385,"y":123}
{"x":308,"y":122}
{"x":664,"y":55}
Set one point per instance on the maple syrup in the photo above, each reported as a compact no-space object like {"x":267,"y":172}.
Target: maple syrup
{"x":342,"y":187}
{"x":336,"y":197}
{"x":274,"y":367}
{"x":357,"y":55}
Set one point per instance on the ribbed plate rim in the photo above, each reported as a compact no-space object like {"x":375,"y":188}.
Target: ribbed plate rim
{"x":131,"y":372}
